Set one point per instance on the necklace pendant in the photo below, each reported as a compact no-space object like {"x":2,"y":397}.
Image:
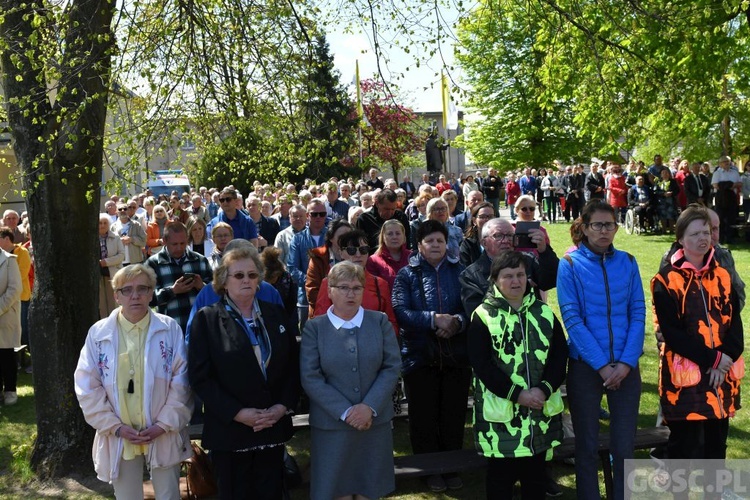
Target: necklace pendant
{"x":131,"y":372}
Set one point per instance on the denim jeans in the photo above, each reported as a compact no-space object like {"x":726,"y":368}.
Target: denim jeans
{"x":585,"y":389}
{"x":496,"y":205}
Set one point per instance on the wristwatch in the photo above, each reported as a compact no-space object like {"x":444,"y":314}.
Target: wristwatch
{"x":460,"y":320}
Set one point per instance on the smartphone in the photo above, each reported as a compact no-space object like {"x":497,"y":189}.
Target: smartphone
{"x":522,"y":233}
{"x":188,"y":276}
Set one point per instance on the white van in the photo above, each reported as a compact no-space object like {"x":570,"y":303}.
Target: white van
{"x":167,"y":181}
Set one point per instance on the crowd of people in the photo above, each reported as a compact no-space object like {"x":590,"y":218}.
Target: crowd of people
{"x":390,"y":283}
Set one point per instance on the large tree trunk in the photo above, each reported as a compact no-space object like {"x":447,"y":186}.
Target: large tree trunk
{"x":59,"y":150}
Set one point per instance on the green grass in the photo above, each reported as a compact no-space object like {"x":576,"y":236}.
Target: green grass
{"x":17,"y":422}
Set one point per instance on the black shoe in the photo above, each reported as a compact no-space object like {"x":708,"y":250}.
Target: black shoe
{"x":551,"y":488}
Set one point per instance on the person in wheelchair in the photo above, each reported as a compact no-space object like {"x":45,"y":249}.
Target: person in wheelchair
{"x":640,"y":200}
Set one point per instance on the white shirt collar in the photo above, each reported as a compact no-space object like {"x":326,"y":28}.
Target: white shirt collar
{"x":339,"y":323}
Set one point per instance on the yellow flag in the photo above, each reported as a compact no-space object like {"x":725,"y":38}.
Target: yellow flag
{"x":445,"y":94}
{"x":360,"y":107}
{"x":450,"y":111}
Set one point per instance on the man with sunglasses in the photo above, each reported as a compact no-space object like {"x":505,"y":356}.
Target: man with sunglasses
{"x":130,"y":232}
{"x":242,"y":225}
{"x":312,"y":236}
{"x":385,"y":208}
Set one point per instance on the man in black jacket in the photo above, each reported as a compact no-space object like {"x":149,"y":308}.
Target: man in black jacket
{"x":498,"y":236}
{"x":595,"y":183}
{"x":697,"y":186}
{"x":384,"y":209}
{"x":408,"y":186}
{"x":491,"y":188}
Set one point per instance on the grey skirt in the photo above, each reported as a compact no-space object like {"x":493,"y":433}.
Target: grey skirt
{"x":351,"y":462}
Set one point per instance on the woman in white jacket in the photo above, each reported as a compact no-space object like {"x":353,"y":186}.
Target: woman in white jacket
{"x":131,"y":383}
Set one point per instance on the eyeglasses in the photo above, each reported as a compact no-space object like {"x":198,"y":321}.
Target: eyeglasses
{"x":363,"y":250}
{"x":599,"y":226}
{"x":122,"y":209}
{"x":350,"y":290}
{"x":439,"y":209}
{"x":502,"y":236}
{"x":127,"y":291}
{"x":318,"y":214}
{"x":226,"y":200}
{"x":241,"y":276}
{"x":526,"y":209}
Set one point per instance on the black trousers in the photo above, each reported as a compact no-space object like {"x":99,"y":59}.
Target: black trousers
{"x":250,"y":475}
{"x":8,"y":370}
{"x":437,"y":407}
{"x":502,"y":474}
{"x":698,"y":439}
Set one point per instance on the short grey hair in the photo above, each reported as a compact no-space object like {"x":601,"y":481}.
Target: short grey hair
{"x":221,"y":273}
{"x":492,"y":224}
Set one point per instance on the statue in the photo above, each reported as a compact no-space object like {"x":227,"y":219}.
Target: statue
{"x":434,"y":154}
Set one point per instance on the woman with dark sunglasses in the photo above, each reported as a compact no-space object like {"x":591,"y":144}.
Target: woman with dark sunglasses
{"x":525,"y":208}
{"x":322,"y":259}
{"x":377,"y":294}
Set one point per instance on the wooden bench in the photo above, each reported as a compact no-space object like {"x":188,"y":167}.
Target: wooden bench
{"x":428,"y":464}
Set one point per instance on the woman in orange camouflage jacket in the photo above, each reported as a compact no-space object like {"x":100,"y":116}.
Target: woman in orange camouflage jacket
{"x":699,"y":380}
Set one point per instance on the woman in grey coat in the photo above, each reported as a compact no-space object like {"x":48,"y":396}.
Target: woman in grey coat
{"x":349,"y":364}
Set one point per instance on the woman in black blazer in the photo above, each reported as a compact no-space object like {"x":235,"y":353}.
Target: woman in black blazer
{"x":243,"y":362}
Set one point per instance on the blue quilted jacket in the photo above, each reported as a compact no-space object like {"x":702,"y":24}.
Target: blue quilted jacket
{"x":418,"y":291}
{"x":602,"y":306}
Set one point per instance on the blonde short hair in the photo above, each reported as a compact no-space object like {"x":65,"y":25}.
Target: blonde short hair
{"x":527,"y":198}
{"x":131,"y":272}
{"x":220,"y":225}
{"x":386,"y":225}
{"x":346,"y":271}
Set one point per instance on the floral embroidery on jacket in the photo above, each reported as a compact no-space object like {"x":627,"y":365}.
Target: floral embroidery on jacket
{"x":103,"y":363}
{"x":167,"y":353}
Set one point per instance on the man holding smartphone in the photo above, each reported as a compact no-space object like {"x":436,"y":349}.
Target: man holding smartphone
{"x":180,"y":274}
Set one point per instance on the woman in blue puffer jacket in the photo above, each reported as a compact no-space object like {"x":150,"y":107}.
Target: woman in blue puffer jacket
{"x":602,"y":304}
{"x":435,"y":364}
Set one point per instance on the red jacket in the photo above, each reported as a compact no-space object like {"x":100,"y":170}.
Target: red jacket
{"x":376,"y":297}
{"x":382,"y":265}
{"x":513,"y":190}
{"x":618,"y":191}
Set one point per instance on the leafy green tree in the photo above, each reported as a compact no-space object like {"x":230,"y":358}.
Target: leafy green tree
{"x":503,"y":58}
{"x":55,"y":78}
{"x":328,"y":112}
{"x":659,"y":72}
